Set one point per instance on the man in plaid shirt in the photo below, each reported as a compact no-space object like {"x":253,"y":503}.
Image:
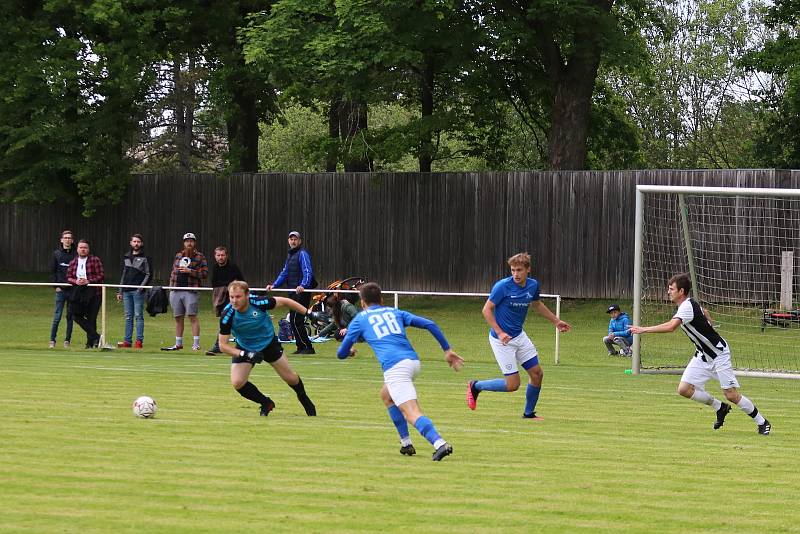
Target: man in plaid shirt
{"x":189,"y":269}
{"x":86,"y":269}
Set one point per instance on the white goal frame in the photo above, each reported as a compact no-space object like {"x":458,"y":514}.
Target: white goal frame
{"x":641,"y":191}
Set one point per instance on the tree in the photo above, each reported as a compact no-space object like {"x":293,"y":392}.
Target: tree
{"x":545,"y":56}
{"x":778,"y":142}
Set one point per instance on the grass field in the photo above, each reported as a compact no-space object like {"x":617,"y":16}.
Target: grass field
{"x":615,"y":452}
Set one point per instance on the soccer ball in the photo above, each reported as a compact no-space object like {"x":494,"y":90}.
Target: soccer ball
{"x":185,"y":262}
{"x":144,"y":407}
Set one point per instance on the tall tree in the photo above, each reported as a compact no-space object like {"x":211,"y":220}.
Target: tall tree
{"x":544,"y":56}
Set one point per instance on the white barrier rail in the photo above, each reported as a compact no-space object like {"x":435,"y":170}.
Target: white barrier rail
{"x":396,"y":293}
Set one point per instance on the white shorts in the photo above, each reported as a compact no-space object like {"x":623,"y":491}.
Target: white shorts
{"x":399,"y":381}
{"x":698,"y":372}
{"x":518,"y":351}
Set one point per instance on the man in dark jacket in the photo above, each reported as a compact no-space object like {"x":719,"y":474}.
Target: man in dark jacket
{"x":298,"y":275}
{"x":136,"y":271}
{"x":58,"y":266}
{"x":86,"y":269}
{"x":223,"y":272}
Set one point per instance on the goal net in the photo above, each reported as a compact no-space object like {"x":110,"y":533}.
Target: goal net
{"x":739,"y":247}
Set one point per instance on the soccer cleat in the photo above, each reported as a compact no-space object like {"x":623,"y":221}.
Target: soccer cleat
{"x":721,"y":413}
{"x":309,"y":407}
{"x":441,"y":452}
{"x":173,"y":347}
{"x":472,"y":395}
{"x":196,"y":347}
{"x":532,"y":416}
{"x":51,"y":345}
{"x":408,"y":450}
{"x":137,"y":344}
{"x":124,"y":344}
{"x":266,"y":408}
{"x":66,"y":344}
{"x":305,"y":351}
{"x":764,"y":428}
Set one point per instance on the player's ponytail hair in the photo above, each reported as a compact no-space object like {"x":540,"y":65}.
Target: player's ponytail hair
{"x":371,"y":293}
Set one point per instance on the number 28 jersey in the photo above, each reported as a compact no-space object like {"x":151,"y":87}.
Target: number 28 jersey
{"x":384,"y":329}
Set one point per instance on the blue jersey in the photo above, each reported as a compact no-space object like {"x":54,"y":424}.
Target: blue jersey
{"x":384,"y":329}
{"x":252,"y":328}
{"x":511,"y":302}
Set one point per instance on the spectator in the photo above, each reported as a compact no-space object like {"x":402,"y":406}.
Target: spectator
{"x":189,"y":269}
{"x":297,"y":274}
{"x":62,"y":256}
{"x":136,"y":271}
{"x":618,"y":332}
{"x":343,"y":313}
{"x":223,"y":272}
{"x":83,"y":270}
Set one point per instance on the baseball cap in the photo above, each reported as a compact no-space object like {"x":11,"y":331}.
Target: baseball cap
{"x":613,"y":307}
{"x":295,"y":233}
{"x":189,"y":235}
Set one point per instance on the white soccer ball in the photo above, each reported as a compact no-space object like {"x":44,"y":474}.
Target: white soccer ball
{"x":185,"y":262}
{"x":144,"y":407}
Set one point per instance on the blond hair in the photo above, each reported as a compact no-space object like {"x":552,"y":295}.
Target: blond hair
{"x":523,"y":259}
{"x":239,"y":284}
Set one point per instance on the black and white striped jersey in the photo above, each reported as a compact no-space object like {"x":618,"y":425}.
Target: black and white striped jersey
{"x":693,"y":321}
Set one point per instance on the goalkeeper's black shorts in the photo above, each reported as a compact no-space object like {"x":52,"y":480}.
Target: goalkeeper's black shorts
{"x":271,"y":353}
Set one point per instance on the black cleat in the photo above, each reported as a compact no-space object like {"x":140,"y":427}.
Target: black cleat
{"x":532,"y":416}
{"x":309,"y":407}
{"x":721,"y":413}
{"x":267,"y":407}
{"x":305,"y":351}
{"x":408,"y":450}
{"x":441,"y":452}
{"x":764,"y":428}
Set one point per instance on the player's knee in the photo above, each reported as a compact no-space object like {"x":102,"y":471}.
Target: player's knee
{"x":238,"y":383}
{"x":685,"y":390}
{"x":732,"y":395}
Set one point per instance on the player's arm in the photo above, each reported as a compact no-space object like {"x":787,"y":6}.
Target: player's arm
{"x":488,"y":315}
{"x":293,"y":304}
{"x":225,"y":334}
{"x":455,"y":361}
{"x":669,"y":326}
{"x":545,"y":312}
{"x":346,"y":348}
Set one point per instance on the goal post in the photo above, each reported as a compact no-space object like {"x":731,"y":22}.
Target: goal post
{"x":738,"y":247}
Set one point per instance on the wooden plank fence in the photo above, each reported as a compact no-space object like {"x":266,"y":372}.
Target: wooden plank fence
{"x":407,"y":231}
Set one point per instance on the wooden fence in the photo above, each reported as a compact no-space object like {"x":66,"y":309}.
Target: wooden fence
{"x":407,"y":231}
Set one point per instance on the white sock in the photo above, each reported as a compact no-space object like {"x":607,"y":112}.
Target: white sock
{"x":438,"y":443}
{"x":748,"y":407}
{"x":405,"y":442}
{"x":178,"y":340}
{"x":703,"y":397}
{"x":196,"y":341}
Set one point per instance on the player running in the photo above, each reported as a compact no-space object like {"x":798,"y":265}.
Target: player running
{"x":712,"y":357}
{"x":246,"y":317}
{"x":505,"y":311}
{"x":384,"y":329}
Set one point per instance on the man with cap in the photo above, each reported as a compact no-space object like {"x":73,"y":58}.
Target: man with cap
{"x":297,"y":274}
{"x":189,"y":269}
{"x":618,"y":332}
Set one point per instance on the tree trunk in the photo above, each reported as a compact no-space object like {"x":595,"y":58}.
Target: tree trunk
{"x":352,"y":120}
{"x":426,"y":148}
{"x":332,"y":157}
{"x":242,"y":125}
{"x":569,"y":119}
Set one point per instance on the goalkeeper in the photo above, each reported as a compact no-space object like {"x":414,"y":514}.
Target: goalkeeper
{"x":712,"y":357}
{"x":247,"y":318}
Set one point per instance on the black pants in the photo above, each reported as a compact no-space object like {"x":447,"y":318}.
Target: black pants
{"x":298,"y":321}
{"x":86,"y":317}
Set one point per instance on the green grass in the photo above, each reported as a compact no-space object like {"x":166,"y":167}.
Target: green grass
{"x":615,"y":451}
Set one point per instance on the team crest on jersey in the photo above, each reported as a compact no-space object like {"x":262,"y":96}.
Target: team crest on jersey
{"x":255,"y":314}
{"x":508,"y":366}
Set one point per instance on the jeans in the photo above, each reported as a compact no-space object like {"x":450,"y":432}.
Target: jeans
{"x":133,"y":302}
{"x":61,"y":301}
{"x":86,"y":317}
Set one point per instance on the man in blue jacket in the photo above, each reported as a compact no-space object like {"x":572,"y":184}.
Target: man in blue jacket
{"x":618,"y":332}
{"x":297,"y":274}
